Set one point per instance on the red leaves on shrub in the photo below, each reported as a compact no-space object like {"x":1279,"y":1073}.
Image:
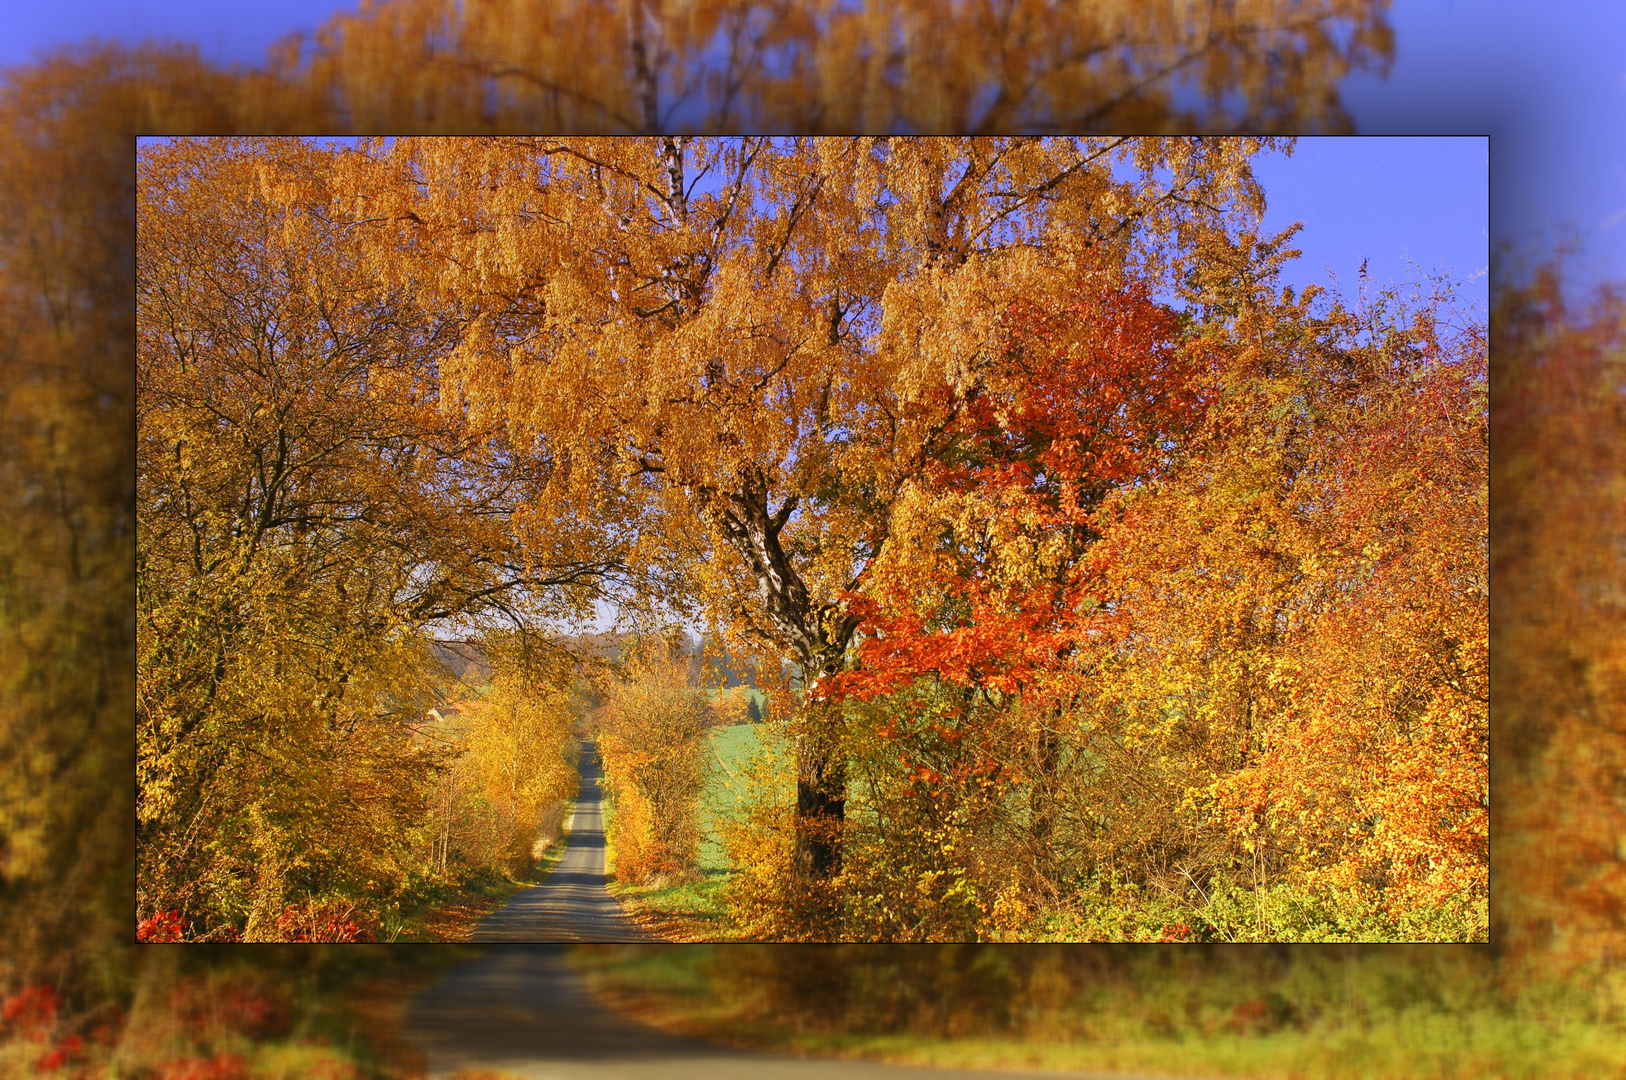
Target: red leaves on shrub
{"x":66,"y":1052}
{"x":325,"y":922}
{"x":241,"y":1005}
{"x":31,"y":1010}
{"x":219,"y":1067}
{"x":1263,"y":1017}
{"x":165,"y":926}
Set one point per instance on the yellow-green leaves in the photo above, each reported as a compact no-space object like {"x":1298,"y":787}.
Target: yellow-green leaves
{"x":309,"y":508}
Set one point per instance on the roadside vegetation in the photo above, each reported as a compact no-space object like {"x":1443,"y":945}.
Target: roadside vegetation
{"x":230,"y":1014}
{"x":449,"y":907}
{"x":1161,"y":614}
{"x":307,"y":766}
{"x":666,"y":743}
{"x":1304,"y":1013}
{"x":283,"y":599}
{"x":694,"y":903}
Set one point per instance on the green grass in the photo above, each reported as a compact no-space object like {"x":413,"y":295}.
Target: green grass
{"x":1436,"y":1013}
{"x":732,"y":751}
{"x":687,"y":911}
{"x":1424,"y":1048}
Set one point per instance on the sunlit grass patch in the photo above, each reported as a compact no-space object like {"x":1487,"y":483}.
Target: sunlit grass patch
{"x":685,"y":911}
{"x":1310,"y":1013}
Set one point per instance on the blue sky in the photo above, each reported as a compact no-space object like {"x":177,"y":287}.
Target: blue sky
{"x":1406,"y":206}
{"x":1547,"y":83}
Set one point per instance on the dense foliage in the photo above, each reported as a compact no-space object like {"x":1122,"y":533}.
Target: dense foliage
{"x":67,"y":375}
{"x":1097,"y":602}
{"x":626,"y":67}
{"x":651,"y":727}
{"x":1243,"y":695}
{"x":765,"y":344}
{"x":305,"y":514}
{"x":1560,"y":621}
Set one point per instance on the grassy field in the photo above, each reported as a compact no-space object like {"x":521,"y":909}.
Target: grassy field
{"x":735,"y":751}
{"x":690,"y":911}
{"x":1318,"y":1013}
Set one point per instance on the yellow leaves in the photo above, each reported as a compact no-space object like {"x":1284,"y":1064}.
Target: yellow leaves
{"x":1308,"y":638}
{"x":517,"y":741}
{"x":652,"y":736}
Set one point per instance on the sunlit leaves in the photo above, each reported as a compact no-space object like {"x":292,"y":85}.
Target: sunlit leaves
{"x":306,"y":512}
{"x":1557,"y":544}
{"x":772,"y":342}
{"x":629,"y":67}
{"x":1214,"y":590}
{"x":1305,"y":602}
{"x":651,"y":729}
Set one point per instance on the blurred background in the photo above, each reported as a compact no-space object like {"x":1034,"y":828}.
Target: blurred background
{"x":83,"y":80}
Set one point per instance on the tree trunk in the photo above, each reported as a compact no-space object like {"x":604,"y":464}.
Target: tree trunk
{"x":1042,"y":809}
{"x":821,"y":801}
{"x":817,"y":635}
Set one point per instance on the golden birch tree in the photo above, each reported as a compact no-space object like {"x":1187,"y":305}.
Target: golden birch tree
{"x":770,"y":336}
{"x":920,"y":66}
{"x":306,"y":513}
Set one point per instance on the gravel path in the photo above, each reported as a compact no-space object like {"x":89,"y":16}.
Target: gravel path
{"x":571,"y":904}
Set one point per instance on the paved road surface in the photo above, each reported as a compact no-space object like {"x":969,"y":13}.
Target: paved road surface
{"x":571,"y":905}
{"x":522,"y":1011}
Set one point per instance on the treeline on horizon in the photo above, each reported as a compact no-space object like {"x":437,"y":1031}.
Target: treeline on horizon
{"x":67,"y":551}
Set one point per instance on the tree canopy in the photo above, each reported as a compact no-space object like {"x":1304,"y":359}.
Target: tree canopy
{"x":773,"y":359}
{"x":635,"y":68}
{"x":1095,"y":557}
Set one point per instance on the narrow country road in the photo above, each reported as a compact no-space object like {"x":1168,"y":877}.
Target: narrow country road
{"x":572,"y":904}
{"x":522,"y":1011}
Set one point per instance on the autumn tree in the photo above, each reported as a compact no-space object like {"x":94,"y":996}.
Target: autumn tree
{"x":771,"y":337}
{"x":65,"y":642}
{"x":1137,"y":595}
{"x":306,"y":511}
{"x":1560,"y":621}
{"x":1300,"y":613}
{"x":971,"y":651}
{"x":636,"y":68}
{"x":651,"y":733}
{"x":518,"y":754}
{"x":67,"y":541}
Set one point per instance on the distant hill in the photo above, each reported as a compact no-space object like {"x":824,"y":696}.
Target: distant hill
{"x":463,"y":659}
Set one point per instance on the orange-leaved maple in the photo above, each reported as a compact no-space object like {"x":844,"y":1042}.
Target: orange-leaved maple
{"x":1092,"y":389}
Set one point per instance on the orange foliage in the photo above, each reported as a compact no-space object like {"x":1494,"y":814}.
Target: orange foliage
{"x":1308,"y":597}
{"x":1089,"y":392}
{"x":1239,"y":564}
{"x":1560,"y":661}
{"x":652,"y":730}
